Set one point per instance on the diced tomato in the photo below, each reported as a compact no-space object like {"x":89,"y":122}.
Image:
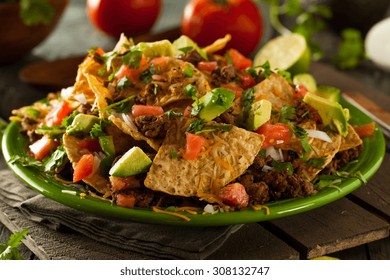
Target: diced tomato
{"x":194,"y":144}
{"x":119,"y":183}
{"x":208,"y":66}
{"x":274,"y":133}
{"x":43,"y":147}
{"x":145,"y":110}
{"x":239,"y":60}
{"x":84,"y":168}
{"x":365,"y":130}
{"x":234,"y":195}
{"x":234,"y":88}
{"x":125,"y":200}
{"x":90,"y":144}
{"x":246,"y":79}
{"x":57,"y":114}
{"x":187,"y":112}
{"x":300,"y":91}
{"x":131,"y":73}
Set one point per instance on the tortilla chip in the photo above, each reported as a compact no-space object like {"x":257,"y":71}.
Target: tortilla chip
{"x":172,"y":90}
{"x":295,"y":143}
{"x":130,"y":129}
{"x":320,"y":149}
{"x":350,"y":141}
{"x":275,"y":89}
{"x":72,"y":148}
{"x":226,"y":156}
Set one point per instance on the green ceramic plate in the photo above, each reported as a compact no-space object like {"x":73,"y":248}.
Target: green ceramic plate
{"x":369,"y":161}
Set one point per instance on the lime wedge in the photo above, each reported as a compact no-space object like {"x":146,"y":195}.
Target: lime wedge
{"x":133,"y":162}
{"x":286,"y":52}
{"x":307,"y":80}
{"x":154,"y":49}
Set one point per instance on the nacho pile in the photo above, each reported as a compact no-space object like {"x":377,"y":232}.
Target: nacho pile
{"x":167,"y":126}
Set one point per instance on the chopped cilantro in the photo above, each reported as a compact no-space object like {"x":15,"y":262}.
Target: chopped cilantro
{"x":248,"y":98}
{"x":123,"y":106}
{"x":287,"y":113}
{"x":174,"y":154}
{"x":190,"y":90}
{"x":123,"y":83}
{"x":56,"y":159}
{"x":132,"y":58}
{"x":9,"y":251}
{"x":316,"y":162}
{"x":185,"y":50}
{"x":171,"y":113}
{"x":188,"y":71}
{"x":285,"y":74}
{"x":266,"y":69}
{"x":281,"y":166}
{"x":98,"y":129}
{"x":196,"y":125}
{"x":33,"y":113}
{"x":147,"y":74}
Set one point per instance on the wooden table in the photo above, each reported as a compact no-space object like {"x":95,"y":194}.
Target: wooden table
{"x":354,"y":227}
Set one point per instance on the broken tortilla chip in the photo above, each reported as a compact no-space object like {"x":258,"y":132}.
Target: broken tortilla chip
{"x":350,"y":141}
{"x":225,"y":157}
{"x":72,"y":148}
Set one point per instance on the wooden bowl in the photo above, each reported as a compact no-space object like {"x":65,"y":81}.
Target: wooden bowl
{"x":17,"y":39}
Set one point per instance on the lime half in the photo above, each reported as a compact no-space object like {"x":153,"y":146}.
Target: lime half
{"x":288,"y":52}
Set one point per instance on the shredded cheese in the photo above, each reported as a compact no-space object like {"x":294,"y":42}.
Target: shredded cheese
{"x":158,"y":210}
{"x":260,"y":207}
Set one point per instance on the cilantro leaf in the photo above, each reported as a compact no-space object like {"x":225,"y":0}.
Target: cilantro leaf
{"x":248,"y":98}
{"x":266,"y":69}
{"x":287,"y":113}
{"x":188,"y":71}
{"x":9,"y":251}
{"x":281,"y":166}
{"x":316,"y":162}
{"x":196,"y":125}
{"x":98,"y":129}
{"x":56,"y":159}
{"x":132,"y":58}
{"x":122,"y":106}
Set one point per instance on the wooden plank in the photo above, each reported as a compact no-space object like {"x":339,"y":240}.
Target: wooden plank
{"x":254,"y":242}
{"x":334,"y":227}
{"x":376,"y":194}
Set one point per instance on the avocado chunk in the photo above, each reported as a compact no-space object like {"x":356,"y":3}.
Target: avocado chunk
{"x":306,"y":80}
{"x":133,"y":162}
{"x":259,"y":114}
{"x":214,"y":103}
{"x":82,"y":124}
{"x":332,"y":113}
{"x":328,"y":92}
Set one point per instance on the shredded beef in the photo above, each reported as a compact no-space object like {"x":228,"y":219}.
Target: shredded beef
{"x":152,"y":126}
{"x":223,"y":75}
{"x":227,"y":117}
{"x":341,"y":159}
{"x":193,"y":57}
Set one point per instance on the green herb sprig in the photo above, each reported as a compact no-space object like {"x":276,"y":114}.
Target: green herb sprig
{"x":9,"y":250}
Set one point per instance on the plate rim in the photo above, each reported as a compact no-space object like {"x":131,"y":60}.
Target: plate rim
{"x":279,"y":209}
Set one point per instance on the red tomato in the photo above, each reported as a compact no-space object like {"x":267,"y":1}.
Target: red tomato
{"x":90,"y":144}
{"x":194,"y":144}
{"x":57,"y":114}
{"x":43,"y":147}
{"x":133,"y":17}
{"x":234,"y":195}
{"x":234,"y":88}
{"x":365,"y":130}
{"x":246,"y":80}
{"x":119,"y":183}
{"x":208,"y":66}
{"x":84,"y":168}
{"x":145,"y":110}
{"x":300,"y":91}
{"x":204,"y":21}
{"x":239,"y":60}
{"x":273,"y":133}
{"x":125,"y":200}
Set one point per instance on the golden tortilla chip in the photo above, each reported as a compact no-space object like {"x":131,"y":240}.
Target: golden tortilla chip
{"x":350,"y":141}
{"x":74,"y":153}
{"x":130,"y":129}
{"x":320,"y":150}
{"x":275,"y":89}
{"x":174,"y":79}
{"x":226,"y":156}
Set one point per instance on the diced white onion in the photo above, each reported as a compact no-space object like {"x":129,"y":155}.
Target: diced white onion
{"x":210,"y":209}
{"x":273,"y":153}
{"x":66,"y":92}
{"x":267,"y":168}
{"x":278,"y":142}
{"x":80,"y":98}
{"x":319,"y":135}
